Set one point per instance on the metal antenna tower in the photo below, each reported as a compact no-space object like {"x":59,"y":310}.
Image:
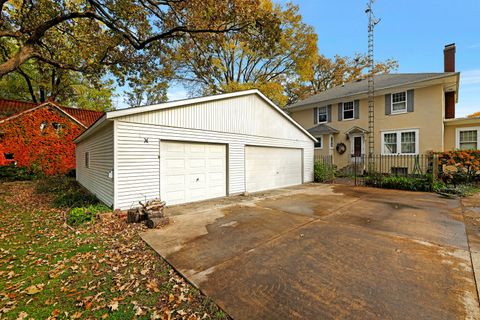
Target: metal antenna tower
{"x":372,"y":22}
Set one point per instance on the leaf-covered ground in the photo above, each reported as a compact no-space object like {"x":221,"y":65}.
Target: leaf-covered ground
{"x":99,"y":271}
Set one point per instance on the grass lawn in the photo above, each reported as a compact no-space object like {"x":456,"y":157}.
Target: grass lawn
{"x":101,"y":270}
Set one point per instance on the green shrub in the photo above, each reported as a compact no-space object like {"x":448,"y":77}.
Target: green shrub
{"x":462,"y":190}
{"x":75,"y":198}
{"x":422,"y":183}
{"x":67,"y":191}
{"x":79,"y":216}
{"x":13,"y":173}
{"x":323,"y":172}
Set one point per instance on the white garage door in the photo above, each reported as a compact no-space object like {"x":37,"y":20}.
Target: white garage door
{"x":270,"y":168}
{"x":192,"y":171}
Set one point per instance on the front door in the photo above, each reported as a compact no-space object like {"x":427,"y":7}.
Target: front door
{"x":357,"y":146}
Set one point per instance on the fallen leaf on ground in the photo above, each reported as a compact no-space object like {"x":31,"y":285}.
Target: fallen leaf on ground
{"x":113,"y":305}
{"x":34,"y":289}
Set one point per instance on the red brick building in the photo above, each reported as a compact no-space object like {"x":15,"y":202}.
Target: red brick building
{"x":40,"y":136}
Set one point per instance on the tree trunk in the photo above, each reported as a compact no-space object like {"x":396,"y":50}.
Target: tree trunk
{"x":29,"y":84}
{"x":22,"y":55}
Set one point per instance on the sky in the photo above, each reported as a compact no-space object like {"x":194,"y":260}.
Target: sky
{"x":413,"y":32}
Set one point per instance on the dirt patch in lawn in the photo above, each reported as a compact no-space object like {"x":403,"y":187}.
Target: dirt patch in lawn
{"x":102,"y":270}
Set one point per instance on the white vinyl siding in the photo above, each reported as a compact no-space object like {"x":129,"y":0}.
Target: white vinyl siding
{"x":243,"y":115}
{"x":467,"y":138}
{"x":268,"y":168}
{"x":94,"y":162}
{"x":138,"y":164}
{"x":400,"y":141}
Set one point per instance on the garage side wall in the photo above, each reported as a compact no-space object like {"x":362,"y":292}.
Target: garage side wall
{"x":138,"y":164}
{"x":100,"y":153}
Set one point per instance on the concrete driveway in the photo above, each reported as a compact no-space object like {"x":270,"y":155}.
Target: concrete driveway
{"x":325,"y":252}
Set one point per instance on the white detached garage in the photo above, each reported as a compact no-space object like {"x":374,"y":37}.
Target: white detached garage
{"x":194,"y":149}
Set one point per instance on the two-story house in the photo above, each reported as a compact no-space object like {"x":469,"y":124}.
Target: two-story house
{"x":414,"y":113}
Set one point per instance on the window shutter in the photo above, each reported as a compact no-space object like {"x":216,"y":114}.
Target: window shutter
{"x":340,"y":115}
{"x":410,"y":100}
{"x":356,"y":109}
{"x":329,"y":113}
{"x":388,"y":104}
{"x":315,"y":115}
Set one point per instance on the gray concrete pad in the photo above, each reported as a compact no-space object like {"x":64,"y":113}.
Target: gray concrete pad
{"x":326,"y":252}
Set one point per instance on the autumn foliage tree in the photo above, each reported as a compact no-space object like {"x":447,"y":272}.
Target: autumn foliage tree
{"x":327,"y":73}
{"x":121,"y":39}
{"x":42,"y":145}
{"x":266,"y":55}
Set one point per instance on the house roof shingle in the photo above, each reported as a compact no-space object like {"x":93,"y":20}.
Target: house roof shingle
{"x":322,"y":129}
{"x":9,"y":108}
{"x":382,"y":81}
{"x":86,"y":117}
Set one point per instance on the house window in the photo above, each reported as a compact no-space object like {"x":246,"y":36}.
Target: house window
{"x":43,"y":126}
{"x":399,"y":102}
{"x":57,"y":126}
{"x":400,"y":142}
{"x":321,"y":114}
{"x":87,"y":160}
{"x":467,"y":138}
{"x":407,"y":142}
{"x":389,"y":143}
{"x":331,"y":142}
{"x":319,"y":144}
{"x":348,"y":110}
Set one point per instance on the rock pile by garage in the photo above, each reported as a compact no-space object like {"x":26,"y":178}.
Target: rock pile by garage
{"x":151,"y":213}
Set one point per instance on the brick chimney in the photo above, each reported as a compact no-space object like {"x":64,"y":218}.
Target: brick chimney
{"x":449,"y":66}
{"x":449,"y":58}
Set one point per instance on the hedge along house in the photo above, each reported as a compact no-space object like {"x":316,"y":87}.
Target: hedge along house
{"x":194,"y":149}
